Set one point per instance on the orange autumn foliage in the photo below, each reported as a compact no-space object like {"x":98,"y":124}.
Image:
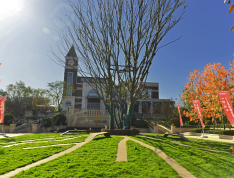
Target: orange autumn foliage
{"x":204,"y":86}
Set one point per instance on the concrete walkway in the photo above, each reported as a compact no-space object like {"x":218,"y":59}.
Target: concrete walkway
{"x":122,"y":150}
{"x":212,"y":139}
{"x":12,"y":135}
{"x":122,"y":156}
{"x":78,"y":145}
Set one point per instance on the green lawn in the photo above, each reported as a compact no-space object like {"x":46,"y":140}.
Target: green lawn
{"x":44,"y":136}
{"x":199,"y":143}
{"x":202,"y":164}
{"x":15,"y":156}
{"x":97,"y":159}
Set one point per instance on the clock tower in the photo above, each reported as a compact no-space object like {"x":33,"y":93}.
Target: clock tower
{"x":71,"y":68}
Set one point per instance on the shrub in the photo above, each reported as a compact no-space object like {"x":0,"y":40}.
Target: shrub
{"x":46,"y":122}
{"x":208,"y":122}
{"x":8,"y":118}
{"x":141,"y":124}
{"x":185,"y":119}
{"x":216,"y":131}
{"x":192,"y":123}
{"x":174,"y":121}
{"x":221,"y":132}
{"x":213,"y":131}
{"x":198,"y":130}
{"x":59,"y":118}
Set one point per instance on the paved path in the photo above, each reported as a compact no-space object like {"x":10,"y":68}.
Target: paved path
{"x":11,"y":134}
{"x":212,"y":139}
{"x":122,"y":156}
{"x":78,"y":145}
{"x":122,"y":150}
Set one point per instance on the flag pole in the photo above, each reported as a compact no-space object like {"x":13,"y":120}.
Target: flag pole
{"x":180,"y":125}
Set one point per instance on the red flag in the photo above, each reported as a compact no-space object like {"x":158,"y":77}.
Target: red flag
{"x":2,"y":99}
{"x":196,"y":104}
{"x":181,"y":122}
{"x":227,"y":106}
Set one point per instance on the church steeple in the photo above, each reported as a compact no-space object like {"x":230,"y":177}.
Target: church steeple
{"x":72,"y":52}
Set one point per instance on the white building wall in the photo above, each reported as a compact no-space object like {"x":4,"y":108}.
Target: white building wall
{"x":71,"y":99}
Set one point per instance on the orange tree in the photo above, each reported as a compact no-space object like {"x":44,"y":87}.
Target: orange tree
{"x":204,"y":86}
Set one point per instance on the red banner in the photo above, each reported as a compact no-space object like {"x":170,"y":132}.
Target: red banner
{"x":181,"y":122}
{"x":196,"y":104}
{"x":227,"y":105}
{"x":2,"y":99}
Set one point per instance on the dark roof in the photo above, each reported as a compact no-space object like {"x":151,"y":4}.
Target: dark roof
{"x":83,"y":79}
{"x":72,"y":52}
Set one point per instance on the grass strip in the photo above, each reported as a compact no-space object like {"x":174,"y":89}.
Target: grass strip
{"x":200,"y":163}
{"x":199,"y":143}
{"x":41,"y":137}
{"x":15,"y":157}
{"x":48,"y":142}
{"x":97,"y":159}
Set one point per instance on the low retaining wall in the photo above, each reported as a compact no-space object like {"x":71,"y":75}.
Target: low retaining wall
{"x":9,"y":128}
{"x":228,"y":137}
{"x":175,"y":129}
{"x":93,"y":121}
{"x":144,"y":130}
{"x":46,"y":129}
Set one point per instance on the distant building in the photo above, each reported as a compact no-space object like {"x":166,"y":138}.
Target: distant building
{"x":85,"y":98}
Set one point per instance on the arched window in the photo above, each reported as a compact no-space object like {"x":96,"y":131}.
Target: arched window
{"x":93,"y":93}
{"x":67,"y":105}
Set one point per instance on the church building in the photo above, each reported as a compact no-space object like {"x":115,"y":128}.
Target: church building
{"x":85,"y":97}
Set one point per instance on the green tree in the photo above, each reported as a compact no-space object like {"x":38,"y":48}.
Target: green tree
{"x":59,"y":89}
{"x":17,"y":98}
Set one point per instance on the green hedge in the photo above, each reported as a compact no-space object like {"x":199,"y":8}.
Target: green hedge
{"x":46,"y":122}
{"x":196,"y":130}
{"x":213,"y":131}
{"x":8,"y":118}
{"x":141,"y":124}
{"x":59,"y":118}
{"x":208,"y":122}
{"x":121,"y":131}
{"x":174,"y":121}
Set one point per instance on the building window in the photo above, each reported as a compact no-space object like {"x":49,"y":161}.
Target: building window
{"x":67,"y":105}
{"x":69,"y":81}
{"x":149,"y":93}
{"x":69,"y":77}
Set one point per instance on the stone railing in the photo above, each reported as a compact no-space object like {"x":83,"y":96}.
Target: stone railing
{"x":88,"y":112}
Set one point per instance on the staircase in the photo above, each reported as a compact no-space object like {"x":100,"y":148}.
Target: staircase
{"x":25,"y":128}
{"x":163,"y":129}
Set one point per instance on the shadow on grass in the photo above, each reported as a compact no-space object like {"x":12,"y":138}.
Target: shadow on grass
{"x":100,"y":138}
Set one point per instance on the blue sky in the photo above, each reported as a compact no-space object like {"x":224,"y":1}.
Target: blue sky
{"x":26,"y":36}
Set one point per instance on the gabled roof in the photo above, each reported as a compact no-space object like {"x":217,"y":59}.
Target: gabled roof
{"x":72,"y":52}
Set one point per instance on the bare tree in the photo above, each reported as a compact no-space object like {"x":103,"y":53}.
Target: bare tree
{"x":108,"y":32}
